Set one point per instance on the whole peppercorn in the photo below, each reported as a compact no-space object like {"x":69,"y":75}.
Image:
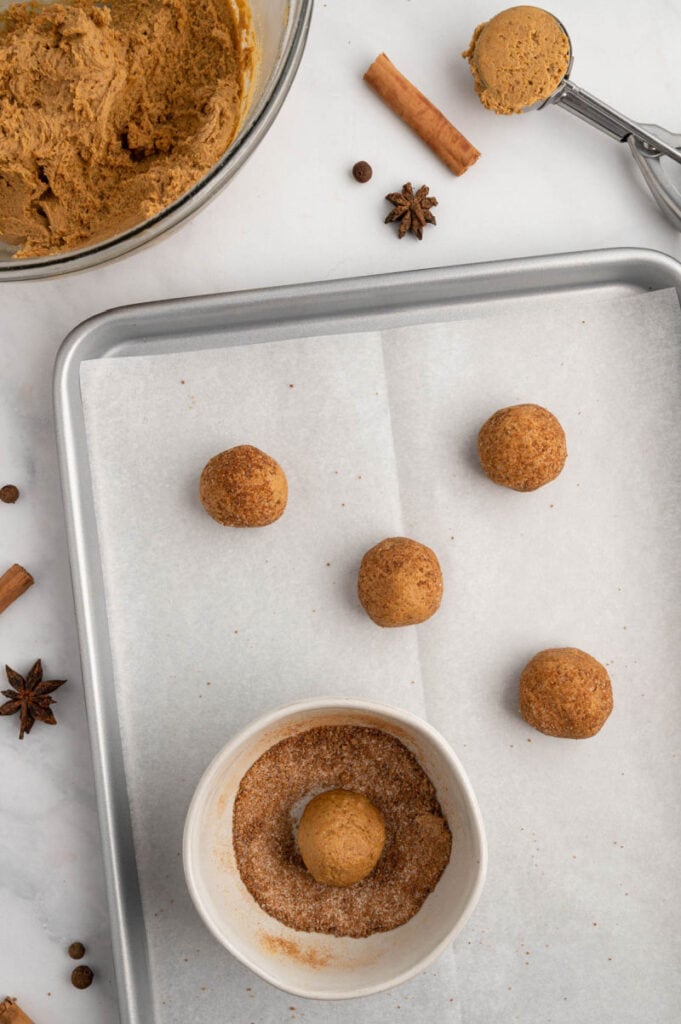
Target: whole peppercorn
{"x":76,"y":950}
{"x":81,"y":976}
{"x":362,"y":171}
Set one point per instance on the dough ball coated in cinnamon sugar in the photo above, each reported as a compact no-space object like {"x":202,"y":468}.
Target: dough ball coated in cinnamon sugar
{"x":399,"y":582}
{"x":341,"y":837}
{"x":522,"y":447}
{"x":565,"y":692}
{"x":243,"y":487}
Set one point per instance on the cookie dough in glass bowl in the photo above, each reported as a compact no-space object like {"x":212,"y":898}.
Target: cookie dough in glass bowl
{"x":162,"y":103}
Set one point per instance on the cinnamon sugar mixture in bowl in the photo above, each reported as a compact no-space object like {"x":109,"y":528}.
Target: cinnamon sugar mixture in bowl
{"x":362,"y":760}
{"x":248,"y":880}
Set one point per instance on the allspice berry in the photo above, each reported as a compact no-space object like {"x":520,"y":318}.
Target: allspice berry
{"x":565,"y":692}
{"x":81,"y":976}
{"x":76,"y":950}
{"x":522,"y":447}
{"x":243,"y":487}
{"x":362,"y":171}
{"x":9,"y":494}
{"x":341,"y":837}
{"x":399,"y":582}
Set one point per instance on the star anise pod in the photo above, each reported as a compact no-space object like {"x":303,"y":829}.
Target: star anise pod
{"x":412,"y":209}
{"x":29,"y":697}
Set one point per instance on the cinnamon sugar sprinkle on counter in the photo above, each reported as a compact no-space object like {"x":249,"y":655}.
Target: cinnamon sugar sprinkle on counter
{"x":358,"y":758}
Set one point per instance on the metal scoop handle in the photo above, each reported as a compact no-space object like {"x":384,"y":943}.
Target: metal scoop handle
{"x":665,"y":192}
{"x":600,"y":115}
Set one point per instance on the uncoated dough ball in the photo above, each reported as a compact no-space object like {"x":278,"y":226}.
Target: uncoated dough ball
{"x":399,"y":582}
{"x":565,"y":692}
{"x":522,"y":447}
{"x":341,"y":837}
{"x":243,"y":487}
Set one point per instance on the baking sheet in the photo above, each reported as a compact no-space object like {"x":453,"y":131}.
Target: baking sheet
{"x":377,"y":437}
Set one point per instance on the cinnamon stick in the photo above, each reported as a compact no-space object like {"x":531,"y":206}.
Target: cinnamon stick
{"x":416,"y":110}
{"x":11,"y":1013}
{"x":13,"y":584}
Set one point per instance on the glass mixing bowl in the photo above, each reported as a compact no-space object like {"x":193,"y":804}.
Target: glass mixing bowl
{"x":281,"y":30}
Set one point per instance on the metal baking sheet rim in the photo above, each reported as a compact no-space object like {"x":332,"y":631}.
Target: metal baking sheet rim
{"x":350,"y":300}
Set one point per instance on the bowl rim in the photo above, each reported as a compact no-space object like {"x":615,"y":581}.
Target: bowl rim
{"x":195,"y":198}
{"x":387,"y":711}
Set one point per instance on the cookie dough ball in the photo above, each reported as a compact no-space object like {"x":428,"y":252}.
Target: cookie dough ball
{"x":341,"y":837}
{"x":243,"y":487}
{"x":522,"y":447}
{"x":400,"y":582}
{"x":565,"y":692}
{"x":518,"y":58}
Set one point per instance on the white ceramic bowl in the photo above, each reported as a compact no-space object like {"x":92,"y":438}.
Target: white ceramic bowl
{"x":323,"y":966}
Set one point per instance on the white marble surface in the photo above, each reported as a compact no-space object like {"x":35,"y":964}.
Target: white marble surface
{"x":546,"y":183}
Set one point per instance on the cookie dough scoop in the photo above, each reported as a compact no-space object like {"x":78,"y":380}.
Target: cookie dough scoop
{"x":521,"y":60}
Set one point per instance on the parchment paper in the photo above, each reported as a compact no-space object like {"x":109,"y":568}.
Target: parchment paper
{"x":211,"y":627}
